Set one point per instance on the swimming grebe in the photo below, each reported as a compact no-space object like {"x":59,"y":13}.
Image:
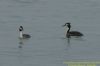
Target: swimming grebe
{"x":71,"y":33}
{"x":23,"y":36}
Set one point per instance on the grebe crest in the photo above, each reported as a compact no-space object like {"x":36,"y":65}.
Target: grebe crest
{"x":23,"y":36}
{"x":72,"y":33}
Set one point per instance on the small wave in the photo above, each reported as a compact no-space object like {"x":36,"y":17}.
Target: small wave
{"x":26,"y":1}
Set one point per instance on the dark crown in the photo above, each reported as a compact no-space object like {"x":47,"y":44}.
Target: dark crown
{"x":21,"y":28}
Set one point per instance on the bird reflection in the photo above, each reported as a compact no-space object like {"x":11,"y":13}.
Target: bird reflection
{"x":20,"y":56}
{"x":68,"y":43}
{"x":68,"y":40}
{"x":21,"y":43}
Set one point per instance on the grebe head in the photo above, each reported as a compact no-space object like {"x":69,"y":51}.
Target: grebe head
{"x":67,"y":24}
{"x":21,"y":28}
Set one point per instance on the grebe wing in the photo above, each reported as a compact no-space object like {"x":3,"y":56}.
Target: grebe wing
{"x":26,"y":36}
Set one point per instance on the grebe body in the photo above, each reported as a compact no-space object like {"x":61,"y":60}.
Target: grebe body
{"x":75,"y":33}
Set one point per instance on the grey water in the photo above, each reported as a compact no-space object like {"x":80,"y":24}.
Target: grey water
{"x":43,"y":20}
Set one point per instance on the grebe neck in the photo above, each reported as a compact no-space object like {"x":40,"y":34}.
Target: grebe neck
{"x":21,"y":34}
{"x":68,"y":33}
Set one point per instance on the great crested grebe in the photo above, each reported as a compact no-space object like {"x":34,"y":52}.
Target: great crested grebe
{"x":23,"y":36}
{"x":72,"y":33}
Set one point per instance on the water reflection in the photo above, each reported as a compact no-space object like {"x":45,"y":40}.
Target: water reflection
{"x":68,"y":41}
{"x":21,"y":45}
{"x":79,"y":38}
{"x":21,"y":42}
{"x":20,"y":56}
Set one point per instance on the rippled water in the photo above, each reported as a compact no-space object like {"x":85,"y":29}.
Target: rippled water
{"x":43,"y":20}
